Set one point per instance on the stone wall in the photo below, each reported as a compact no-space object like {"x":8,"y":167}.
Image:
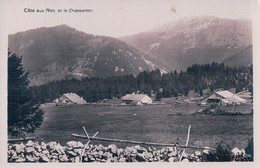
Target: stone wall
{"x":77,"y":152}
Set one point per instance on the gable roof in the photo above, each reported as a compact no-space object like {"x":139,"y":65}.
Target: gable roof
{"x":230,"y":96}
{"x":74,"y":98}
{"x":134,"y":97}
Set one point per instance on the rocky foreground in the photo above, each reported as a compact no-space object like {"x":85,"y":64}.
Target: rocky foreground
{"x":77,"y":152}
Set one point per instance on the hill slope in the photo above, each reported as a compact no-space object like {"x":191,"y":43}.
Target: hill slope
{"x":62,"y":52}
{"x":242,"y":58}
{"x":194,"y":40}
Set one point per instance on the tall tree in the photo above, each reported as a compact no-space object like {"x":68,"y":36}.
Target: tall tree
{"x":23,"y":115}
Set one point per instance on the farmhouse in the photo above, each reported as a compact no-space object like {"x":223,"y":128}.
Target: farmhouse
{"x":225,"y":98}
{"x":70,"y":98}
{"x":136,"y":99}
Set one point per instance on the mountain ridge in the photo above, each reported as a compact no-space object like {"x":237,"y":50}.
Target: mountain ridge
{"x":202,"y":39}
{"x":62,"y":52}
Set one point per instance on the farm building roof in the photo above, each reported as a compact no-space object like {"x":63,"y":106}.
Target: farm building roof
{"x":245,"y":94}
{"x":230,"y":96}
{"x":134,"y":97}
{"x":74,"y":98}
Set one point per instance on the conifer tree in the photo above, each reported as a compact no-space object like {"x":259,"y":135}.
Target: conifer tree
{"x":23,"y":115}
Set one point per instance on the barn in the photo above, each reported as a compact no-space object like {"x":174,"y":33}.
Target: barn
{"x":225,"y":97}
{"x":70,"y":98}
{"x":136,"y":99}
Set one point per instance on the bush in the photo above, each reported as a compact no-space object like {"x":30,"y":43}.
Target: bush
{"x":250,"y":148}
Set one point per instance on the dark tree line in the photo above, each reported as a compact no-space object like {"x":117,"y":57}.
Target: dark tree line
{"x":197,"y":77}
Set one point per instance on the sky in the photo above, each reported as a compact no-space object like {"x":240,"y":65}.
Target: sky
{"x":116,"y":17}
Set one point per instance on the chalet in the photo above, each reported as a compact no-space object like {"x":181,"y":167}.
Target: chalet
{"x":70,"y":98}
{"x":136,"y":99}
{"x":225,"y":98}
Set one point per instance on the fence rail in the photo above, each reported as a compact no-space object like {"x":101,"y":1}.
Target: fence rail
{"x":136,"y":142}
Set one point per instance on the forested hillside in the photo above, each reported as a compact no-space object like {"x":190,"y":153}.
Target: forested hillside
{"x":197,"y":77}
{"x":62,"y":52}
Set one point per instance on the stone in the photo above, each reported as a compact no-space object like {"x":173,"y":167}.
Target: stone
{"x":43,"y":146}
{"x":129,"y":150}
{"x":112,"y":148}
{"x":72,"y":159}
{"x":122,"y":160}
{"x":172,"y":154}
{"x":29,"y":158}
{"x":29,"y":150}
{"x":185,"y":160}
{"x":158,"y":158}
{"x":107,"y":155}
{"x":19,"y":148}
{"x":77,"y":151}
{"x":72,"y":144}
{"x":185,"y":155}
{"x":11,"y":152}
{"x":45,"y":152}
{"x":80,"y":145}
{"x":54,"y":161}
{"x":20,"y":159}
{"x":171,"y":159}
{"x":59,"y":149}
{"x":77,"y":159}
{"x":71,"y":153}
{"x":148,"y":155}
{"x":38,"y":148}
{"x":150,"y":149}
{"x":37,"y":154}
{"x":109,"y":160}
{"x":120,"y":151}
{"x":86,"y":146}
{"x":156,"y":153}
{"x":133,"y":159}
{"x":115,"y":159}
{"x":243,"y":152}
{"x":100,"y":148}
{"x":163,"y":150}
{"x":91,"y":159}
{"x":235,"y":151}
{"x":205,"y":152}
{"x":140,"y":158}
{"x":150,"y":160}
{"x":29,"y":143}
{"x":170,"y":149}
{"x":44,"y":158}
{"x":14,"y":158}
{"x":103,"y":160}
{"x":139,"y":149}
{"x":51,"y":145}
{"x":85,"y":159}
{"x":197,"y":153}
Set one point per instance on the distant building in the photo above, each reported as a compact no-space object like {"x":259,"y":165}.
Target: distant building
{"x":136,"y":99}
{"x":246,"y":95}
{"x":225,"y":98}
{"x":70,"y":98}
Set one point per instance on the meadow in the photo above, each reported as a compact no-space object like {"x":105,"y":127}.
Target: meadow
{"x":154,"y":123}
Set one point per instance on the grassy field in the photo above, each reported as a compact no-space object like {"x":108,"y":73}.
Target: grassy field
{"x":154,"y":123}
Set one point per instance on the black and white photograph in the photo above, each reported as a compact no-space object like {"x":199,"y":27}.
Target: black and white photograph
{"x":122,"y":82}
